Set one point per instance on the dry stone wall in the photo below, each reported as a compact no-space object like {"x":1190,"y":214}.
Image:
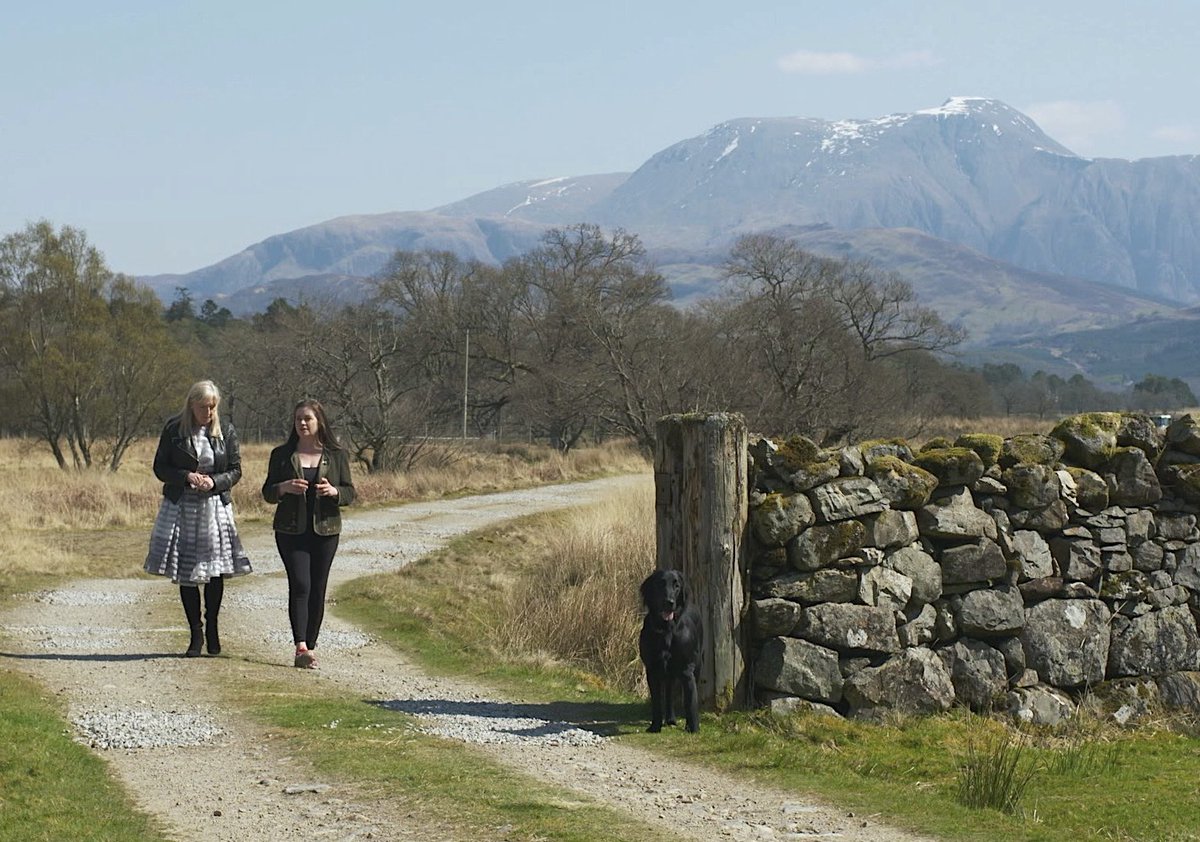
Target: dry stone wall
{"x":995,"y":573}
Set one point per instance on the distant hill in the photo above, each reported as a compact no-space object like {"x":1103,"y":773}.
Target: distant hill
{"x":998,"y":226}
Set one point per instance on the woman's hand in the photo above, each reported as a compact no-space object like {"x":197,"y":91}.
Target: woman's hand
{"x":299,"y":485}
{"x":200,"y":482}
{"x":325,"y":489}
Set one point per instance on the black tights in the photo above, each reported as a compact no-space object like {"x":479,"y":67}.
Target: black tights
{"x":307,"y":559}
{"x":189,"y":595}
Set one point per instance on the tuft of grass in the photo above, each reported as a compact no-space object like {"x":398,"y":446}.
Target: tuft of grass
{"x":52,"y":788}
{"x":995,"y":776}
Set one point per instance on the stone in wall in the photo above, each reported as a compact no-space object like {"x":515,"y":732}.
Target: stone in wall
{"x":1066,"y":641}
{"x":1031,"y":549}
{"x":915,"y":681}
{"x":1157,"y":643}
{"x":824,"y":544}
{"x":1077,"y":558}
{"x":1183,"y":434}
{"x":951,"y":465}
{"x":904,"y":486}
{"x":1032,"y":486}
{"x":955,"y":517}
{"x":1040,"y":705}
{"x":828,"y":585}
{"x":895,"y":448}
{"x":1131,"y":479}
{"x":849,"y":628}
{"x":885,"y":588}
{"x":799,"y":668}
{"x":779,"y":518}
{"x":846,"y":497}
{"x":920,"y":568}
{"x":920,"y":627}
{"x":1050,"y":519}
{"x":1180,"y":690}
{"x":1091,"y":491}
{"x":891,"y":528}
{"x":986,"y":446}
{"x":977,"y":672}
{"x":773,"y":617}
{"x":1035,"y":448}
{"x":992,"y":612}
{"x":975,"y":563}
{"x":1090,"y":438}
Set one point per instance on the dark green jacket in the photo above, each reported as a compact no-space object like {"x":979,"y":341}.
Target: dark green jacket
{"x":291,"y":510}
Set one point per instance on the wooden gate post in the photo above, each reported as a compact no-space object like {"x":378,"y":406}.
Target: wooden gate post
{"x":700,"y":508}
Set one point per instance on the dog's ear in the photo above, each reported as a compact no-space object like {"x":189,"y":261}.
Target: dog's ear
{"x":682,"y":599}
{"x":646,"y":588}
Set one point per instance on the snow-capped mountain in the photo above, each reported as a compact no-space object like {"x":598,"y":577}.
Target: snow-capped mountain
{"x":973,"y":172}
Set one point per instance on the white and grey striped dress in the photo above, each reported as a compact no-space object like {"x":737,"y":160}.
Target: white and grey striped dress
{"x":196,"y":539}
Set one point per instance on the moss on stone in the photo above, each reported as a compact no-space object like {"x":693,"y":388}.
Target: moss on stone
{"x":1034,"y":448}
{"x":936,"y":443}
{"x":986,"y":445}
{"x":906,"y":486}
{"x":1187,"y":481}
{"x":796,"y":453}
{"x":874,"y":448}
{"x":951,"y":465}
{"x":1089,"y":437}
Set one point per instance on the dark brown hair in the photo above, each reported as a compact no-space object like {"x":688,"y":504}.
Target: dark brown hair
{"x":325,"y":434}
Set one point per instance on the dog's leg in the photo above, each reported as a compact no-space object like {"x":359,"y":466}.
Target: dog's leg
{"x":655,"y":682}
{"x":669,"y":697}
{"x":691,"y":700}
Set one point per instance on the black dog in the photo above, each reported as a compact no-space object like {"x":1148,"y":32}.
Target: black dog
{"x":670,"y":643}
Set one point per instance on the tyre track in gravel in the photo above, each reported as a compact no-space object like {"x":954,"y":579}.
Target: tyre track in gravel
{"x":109,"y":648}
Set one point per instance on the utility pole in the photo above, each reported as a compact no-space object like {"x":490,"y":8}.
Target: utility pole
{"x":466,"y":375}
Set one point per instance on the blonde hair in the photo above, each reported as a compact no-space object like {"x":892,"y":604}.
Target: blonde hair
{"x":201,"y":391}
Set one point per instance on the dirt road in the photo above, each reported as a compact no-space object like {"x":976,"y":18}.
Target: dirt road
{"x":111,"y":649}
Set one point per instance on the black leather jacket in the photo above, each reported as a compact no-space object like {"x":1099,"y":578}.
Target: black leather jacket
{"x":176,"y":458}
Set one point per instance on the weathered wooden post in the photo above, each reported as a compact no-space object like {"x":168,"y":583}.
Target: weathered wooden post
{"x":700,"y":507}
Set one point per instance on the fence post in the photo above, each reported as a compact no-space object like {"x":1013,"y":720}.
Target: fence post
{"x":700,"y":512}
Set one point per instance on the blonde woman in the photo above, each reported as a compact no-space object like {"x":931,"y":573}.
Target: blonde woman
{"x":195,"y":540}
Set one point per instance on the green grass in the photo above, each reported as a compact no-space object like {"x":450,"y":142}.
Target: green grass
{"x":51,"y":788}
{"x":1110,"y":784}
{"x":453,"y":790}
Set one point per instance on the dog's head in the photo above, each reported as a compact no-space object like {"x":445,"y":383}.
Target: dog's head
{"x":665,"y":594}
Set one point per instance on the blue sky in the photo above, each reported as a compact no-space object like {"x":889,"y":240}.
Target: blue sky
{"x":178,"y":133}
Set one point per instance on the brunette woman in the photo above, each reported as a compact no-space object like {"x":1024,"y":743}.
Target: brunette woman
{"x":308,"y":478}
{"x":195,"y":541}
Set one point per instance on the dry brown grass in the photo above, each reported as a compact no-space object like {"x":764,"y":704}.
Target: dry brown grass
{"x":1000,"y":425}
{"x":72,"y":523}
{"x":576,"y":601}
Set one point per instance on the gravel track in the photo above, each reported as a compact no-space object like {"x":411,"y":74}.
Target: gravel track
{"x":110,"y":649}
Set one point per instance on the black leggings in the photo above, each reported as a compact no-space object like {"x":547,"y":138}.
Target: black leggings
{"x":307,"y":559}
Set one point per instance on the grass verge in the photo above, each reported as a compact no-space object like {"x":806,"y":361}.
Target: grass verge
{"x":52,"y":788}
{"x":448,"y":610}
{"x":430,"y":778}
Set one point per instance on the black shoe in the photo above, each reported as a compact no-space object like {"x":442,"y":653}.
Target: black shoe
{"x":213,"y":639}
{"x":193,"y":650}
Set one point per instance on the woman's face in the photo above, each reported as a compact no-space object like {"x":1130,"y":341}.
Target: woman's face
{"x":203,"y":411}
{"x":306,"y":422}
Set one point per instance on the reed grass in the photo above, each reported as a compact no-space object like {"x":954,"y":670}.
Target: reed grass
{"x":57,"y":523}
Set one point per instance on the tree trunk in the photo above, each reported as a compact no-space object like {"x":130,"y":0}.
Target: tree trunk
{"x":701,"y":510}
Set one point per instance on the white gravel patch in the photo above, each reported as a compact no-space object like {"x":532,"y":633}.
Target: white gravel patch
{"x":87,"y":638}
{"x":487,"y":722}
{"x":330,"y":639}
{"x":83,"y":597}
{"x":253,"y":601}
{"x":127,"y":728}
